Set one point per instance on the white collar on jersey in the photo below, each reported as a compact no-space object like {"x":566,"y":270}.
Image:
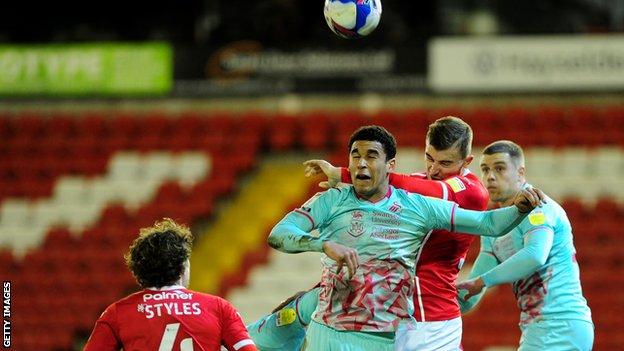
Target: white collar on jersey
{"x":170,"y":287}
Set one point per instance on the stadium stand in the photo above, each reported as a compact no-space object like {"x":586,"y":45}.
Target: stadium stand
{"x":75,"y":189}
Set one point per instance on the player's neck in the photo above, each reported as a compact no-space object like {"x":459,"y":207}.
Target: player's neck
{"x":382,"y":193}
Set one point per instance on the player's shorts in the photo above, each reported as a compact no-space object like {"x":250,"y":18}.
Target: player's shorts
{"x":429,"y":336}
{"x":323,"y":338}
{"x":565,"y":334}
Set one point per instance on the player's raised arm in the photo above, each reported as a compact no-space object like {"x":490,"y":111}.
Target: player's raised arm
{"x":335,"y":175}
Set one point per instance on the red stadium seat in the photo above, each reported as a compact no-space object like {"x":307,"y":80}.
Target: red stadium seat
{"x":316,"y":129}
{"x":283,"y":132}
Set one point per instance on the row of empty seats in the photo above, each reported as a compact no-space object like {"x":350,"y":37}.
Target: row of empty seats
{"x":79,"y":162}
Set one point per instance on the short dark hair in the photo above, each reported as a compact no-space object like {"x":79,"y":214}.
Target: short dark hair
{"x":157,"y":257}
{"x":508,"y":147}
{"x":376,"y":133}
{"x":450,"y":131}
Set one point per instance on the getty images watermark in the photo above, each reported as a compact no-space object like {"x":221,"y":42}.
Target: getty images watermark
{"x":6,"y":314}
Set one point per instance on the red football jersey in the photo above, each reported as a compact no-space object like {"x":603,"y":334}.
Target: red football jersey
{"x":442,"y":254}
{"x":171,"y":318}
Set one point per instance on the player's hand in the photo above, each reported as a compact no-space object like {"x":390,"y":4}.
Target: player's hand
{"x":314,"y":167}
{"x":472,"y":286}
{"x":343,"y":255}
{"x":528,"y":199}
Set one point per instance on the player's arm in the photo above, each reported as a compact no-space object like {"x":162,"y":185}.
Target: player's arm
{"x":484,"y":262}
{"x":234,"y":335}
{"x":411,"y":184}
{"x":292,"y":233}
{"x":449,"y":216}
{"x":533,"y":255}
{"x":103,"y":336}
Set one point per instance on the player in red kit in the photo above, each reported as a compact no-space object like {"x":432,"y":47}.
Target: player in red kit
{"x":447,"y":156}
{"x":165,"y":315}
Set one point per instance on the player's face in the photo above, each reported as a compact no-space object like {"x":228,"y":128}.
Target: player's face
{"x":442,"y":164}
{"x":369,"y":169}
{"x":501,"y":176}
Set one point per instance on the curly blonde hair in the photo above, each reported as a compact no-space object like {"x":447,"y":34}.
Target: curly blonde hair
{"x":157,"y":256}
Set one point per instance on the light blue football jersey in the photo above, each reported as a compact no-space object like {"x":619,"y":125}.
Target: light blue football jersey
{"x":554,"y":290}
{"x":387,"y":235}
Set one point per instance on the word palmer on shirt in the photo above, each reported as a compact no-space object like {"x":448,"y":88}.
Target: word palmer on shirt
{"x":185,"y":307}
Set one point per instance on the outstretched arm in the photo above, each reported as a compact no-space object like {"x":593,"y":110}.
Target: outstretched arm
{"x":292,"y":234}
{"x":496,"y":222}
{"x":335,"y":175}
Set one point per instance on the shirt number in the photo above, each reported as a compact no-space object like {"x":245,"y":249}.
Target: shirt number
{"x":169,"y":336}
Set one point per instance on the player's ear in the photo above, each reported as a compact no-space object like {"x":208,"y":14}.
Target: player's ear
{"x":521,"y":172}
{"x":468,"y":160}
{"x":391,"y":165}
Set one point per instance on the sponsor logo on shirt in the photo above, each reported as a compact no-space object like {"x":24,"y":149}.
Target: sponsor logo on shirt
{"x":168,"y":295}
{"x":385,"y":233}
{"x":386,"y":218}
{"x":537,"y":218}
{"x":285,"y":316}
{"x":456,"y":184}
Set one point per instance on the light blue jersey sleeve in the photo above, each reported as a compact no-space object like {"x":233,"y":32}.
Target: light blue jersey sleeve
{"x":292,"y":233}
{"x":537,"y":244}
{"x":447,"y":215}
{"x":484,"y":262}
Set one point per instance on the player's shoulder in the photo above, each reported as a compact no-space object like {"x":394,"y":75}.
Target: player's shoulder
{"x":121,"y":305}
{"x":130,"y":299}
{"x":468,"y":191}
{"x":342,"y":191}
{"x":549,"y":214}
{"x":205,"y":296}
{"x":414,"y":200}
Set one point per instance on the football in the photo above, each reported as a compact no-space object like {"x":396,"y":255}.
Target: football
{"x":352,"y":19}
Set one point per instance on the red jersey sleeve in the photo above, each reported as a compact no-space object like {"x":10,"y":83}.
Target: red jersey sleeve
{"x":234,"y":334}
{"x":468,"y":192}
{"x":425,"y":187}
{"x":345,"y":175}
{"x":103,"y":337}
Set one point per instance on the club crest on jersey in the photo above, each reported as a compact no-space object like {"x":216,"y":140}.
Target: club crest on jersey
{"x":357,"y":227}
{"x":396,"y":207}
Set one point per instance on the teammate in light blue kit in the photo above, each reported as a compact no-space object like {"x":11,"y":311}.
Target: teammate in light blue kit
{"x":538,"y":257}
{"x":284,"y":328}
{"x":375,"y":230}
